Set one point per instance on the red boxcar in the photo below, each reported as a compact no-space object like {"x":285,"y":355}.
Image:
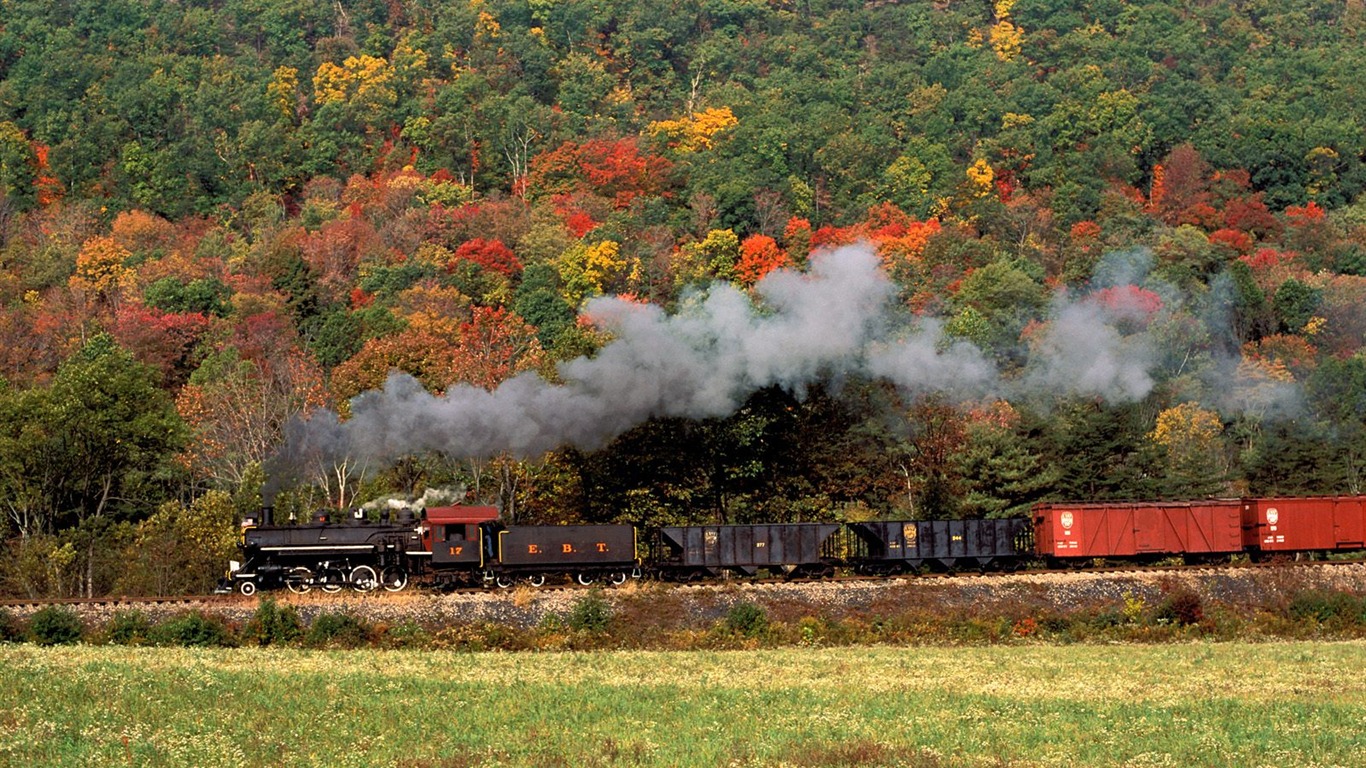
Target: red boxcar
{"x":1132,"y":530}
{"x":1322,"y":523}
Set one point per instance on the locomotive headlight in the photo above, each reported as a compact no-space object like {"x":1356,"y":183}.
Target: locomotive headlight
{"x":234,"y":566}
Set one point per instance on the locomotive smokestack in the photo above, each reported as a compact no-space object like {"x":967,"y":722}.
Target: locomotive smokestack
{"x":267,"y":515}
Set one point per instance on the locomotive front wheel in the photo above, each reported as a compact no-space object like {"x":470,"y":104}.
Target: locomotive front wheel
{"x":536,"y":579}
{"x":332,"y":579}
{"x":363,"y":578}
{"x":247,"y":588}
{"x":394,"y":578}
{"x":584,"y":579}
{"x":299,"y":580}
{"x":617,"y":579}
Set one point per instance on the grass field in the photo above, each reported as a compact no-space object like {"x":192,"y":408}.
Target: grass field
{"x":1276,"y":704}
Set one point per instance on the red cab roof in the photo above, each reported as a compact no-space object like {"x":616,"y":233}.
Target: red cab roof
{"x":461,"y":515}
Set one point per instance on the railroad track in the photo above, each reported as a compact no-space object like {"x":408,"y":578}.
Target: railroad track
{"x":192,"y":601}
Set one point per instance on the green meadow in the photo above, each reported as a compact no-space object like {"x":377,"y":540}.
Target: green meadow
{"x":1223,"y":704}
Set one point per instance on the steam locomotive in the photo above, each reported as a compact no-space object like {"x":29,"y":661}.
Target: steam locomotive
{"x":468,"y":545}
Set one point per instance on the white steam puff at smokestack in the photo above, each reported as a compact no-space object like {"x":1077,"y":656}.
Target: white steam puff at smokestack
{"x":836,"y":320}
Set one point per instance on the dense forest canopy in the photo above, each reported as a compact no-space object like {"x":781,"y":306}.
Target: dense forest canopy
{"x":1009,"y":251}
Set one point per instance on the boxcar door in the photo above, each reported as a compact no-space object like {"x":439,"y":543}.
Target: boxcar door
{"x":1349,"y":523}
{"x":1148,"y":529}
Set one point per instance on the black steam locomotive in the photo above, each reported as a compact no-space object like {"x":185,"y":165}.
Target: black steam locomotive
{"x":465,"y":545}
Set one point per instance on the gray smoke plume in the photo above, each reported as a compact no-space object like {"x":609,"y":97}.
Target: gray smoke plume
{"x":1083,"y":352}
{"x":703,"y":361}
{"x":836,"y":320}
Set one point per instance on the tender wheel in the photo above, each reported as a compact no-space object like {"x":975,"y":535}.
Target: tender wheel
{"x":363,"y":578}
{"x":617,"y":579}
{"x":393,"y":578}
{"x":584,"y":579}
{"x":536,"y":579}
{"x":332,"y":580}
{"x":502,"y":582}
{"x":247,"y":588}
{"x":299,"y":580}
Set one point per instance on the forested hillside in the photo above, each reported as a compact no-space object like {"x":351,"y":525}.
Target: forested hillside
{"x":1078,"y":249}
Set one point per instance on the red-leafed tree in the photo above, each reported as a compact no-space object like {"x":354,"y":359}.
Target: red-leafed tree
{"x":34,"y":339}
{"x":1180,"y":181}
{"x":1249,"y":214}
{"x":832,"y":237}
{"x":1235,"y":240}
{"x":616,"y":169}
{"x":489,"y":254}
{"x":163,"y":340}
{"x":1271,"y":267}
{"x":505,"y":220}
{"x":619,"y":170}
{"x":337,"y":249}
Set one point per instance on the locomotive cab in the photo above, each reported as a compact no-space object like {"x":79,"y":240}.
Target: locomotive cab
{"x":459,"y":537}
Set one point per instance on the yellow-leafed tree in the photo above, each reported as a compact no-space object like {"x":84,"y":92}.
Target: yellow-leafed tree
{"x":697,"y":131}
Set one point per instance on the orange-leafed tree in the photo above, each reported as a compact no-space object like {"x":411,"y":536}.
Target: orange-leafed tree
{"x":759,"y":255}
{"x":338,"y":248}
{"x":495,"y":344}
{"x":101,"y":272}
{"x":486,"y":349}
{"x":418,"y":352}
{"x":616,"y":169}
{"x":1282,"y":350}
{"x":142,"y":232}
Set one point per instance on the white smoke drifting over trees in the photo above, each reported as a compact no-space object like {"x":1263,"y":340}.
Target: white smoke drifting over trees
{"x":836,"y":320}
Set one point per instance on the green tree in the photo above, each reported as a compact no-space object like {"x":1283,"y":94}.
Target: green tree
{"x":18,"y":167}
{"x":1295,"y":303}
{"x":1002,"y":471}
{"x":100,"y":445}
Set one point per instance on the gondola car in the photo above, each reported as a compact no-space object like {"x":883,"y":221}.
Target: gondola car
{"x":687,"y":553}
{"x":911,"y":546}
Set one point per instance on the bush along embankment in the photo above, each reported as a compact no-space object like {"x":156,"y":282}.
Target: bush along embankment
{"x":721,"y":619}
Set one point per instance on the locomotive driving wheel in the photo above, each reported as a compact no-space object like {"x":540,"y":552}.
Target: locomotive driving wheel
{"x":332,"y":579}
{"x":299,"y":580}
{"x":363,"y":578}
{"x":393,"y":578}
